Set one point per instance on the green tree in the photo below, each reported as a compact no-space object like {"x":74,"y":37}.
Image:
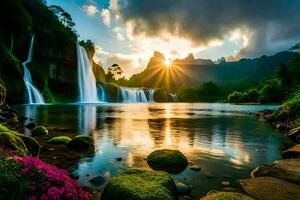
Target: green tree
{"x":63,"y":16}
{"x":114,"y":73}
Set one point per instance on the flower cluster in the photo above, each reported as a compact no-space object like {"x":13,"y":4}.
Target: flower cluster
{"x":48,"y":182}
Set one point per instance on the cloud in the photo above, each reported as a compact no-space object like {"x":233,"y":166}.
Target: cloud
{"x":99,"y":53}
{"x":264,"y":26}
{"x":90,"y":10}
{"x":105,"y":13}
{"x":130,"y":63}
{"x":118,"y":32}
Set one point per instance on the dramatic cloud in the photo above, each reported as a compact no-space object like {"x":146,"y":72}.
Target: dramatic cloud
{"x":90,"y":10}
{"x":105,"y":13}
{"x":262,"y":26}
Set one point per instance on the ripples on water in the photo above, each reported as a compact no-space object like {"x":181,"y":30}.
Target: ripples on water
{"x":223,"y":139}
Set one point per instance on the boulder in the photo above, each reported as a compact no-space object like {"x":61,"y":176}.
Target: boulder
{"x":172,"y":161}
{"x":81,"y":142}
{"x":137,"y":184}
{"x":60,"y":140}
{"x":287,"y":169}
{"x":269,"y":188}
{"x":39,"y":131}
{"x":11,"y":142}
{"x":33,"y":147}
{"x":294,"y":134}
{"x":293,"y":152}
{"x":225,"y":196}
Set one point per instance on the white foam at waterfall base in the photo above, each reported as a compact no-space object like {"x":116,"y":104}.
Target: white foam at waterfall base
{"x":34,"y":96}
{"x":86,"y":78}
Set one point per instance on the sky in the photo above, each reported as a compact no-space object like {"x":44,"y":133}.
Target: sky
{"x":127,"y":32}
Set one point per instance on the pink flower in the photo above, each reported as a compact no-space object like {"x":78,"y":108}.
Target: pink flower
{"x":53,"y":183}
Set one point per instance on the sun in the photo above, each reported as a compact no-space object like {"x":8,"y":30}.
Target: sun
{"x":168,"y":63}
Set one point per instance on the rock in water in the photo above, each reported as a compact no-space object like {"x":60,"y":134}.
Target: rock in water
{"x":269,"y":188}
{"x":293,"y":152}
{"x":172,"y":161}
{"x":31,"y":125}
{"x":81,"y":142}
{"x":60,"y":140}
{"x":137,"y":184}
{"x":39,"y":131}
{"x":98,"y":180}
{"x":195,"y":168}
{"x":287,"y":169}
{"x":182,"y":189}
{"x":225,"y":196}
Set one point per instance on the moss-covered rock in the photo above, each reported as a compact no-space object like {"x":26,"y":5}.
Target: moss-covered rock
{"x":39,"y":131}
{"x":81,"y":142}
{"x":60,"y":140}
{"x":226,"y":196}
{"x":32,"y":145}
{"x":172,"y":161}
{"x":137,"y":184}
{"x":10,"y":141}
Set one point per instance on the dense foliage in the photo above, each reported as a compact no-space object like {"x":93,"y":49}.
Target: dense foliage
{"x":54,"y":48}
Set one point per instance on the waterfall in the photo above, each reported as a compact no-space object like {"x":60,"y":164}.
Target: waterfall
{"x":133,"y":95}
{"x":34,"y":96}
{"x":151,"y":95}
{"x":101,"y":93}
{"x":174,"y":98}
{"x":86,"y":78}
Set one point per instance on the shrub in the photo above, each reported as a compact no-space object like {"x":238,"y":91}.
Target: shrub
{"x":271,"y":92}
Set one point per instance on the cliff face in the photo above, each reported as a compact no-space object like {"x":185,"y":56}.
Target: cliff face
{"x":54,"y":66}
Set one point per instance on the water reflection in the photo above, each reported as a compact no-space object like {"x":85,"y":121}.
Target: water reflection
{"x":87,"y":118}
{"x":223,"y":139}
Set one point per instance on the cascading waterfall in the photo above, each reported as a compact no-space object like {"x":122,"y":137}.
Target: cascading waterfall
{"x":34,"y":96}
{"x":86,"y":78}
{"x":101,"y":93}
{"x":133,"y":95}
{"x":174,"y":97}
{"x":151,"y":95}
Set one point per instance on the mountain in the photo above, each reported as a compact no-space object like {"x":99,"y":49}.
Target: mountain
{"x":190,"y":71}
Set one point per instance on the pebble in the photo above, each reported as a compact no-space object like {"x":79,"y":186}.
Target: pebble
{"x":225,"y":183}
{"x":195,"y":167}
{"x":119,"y":159}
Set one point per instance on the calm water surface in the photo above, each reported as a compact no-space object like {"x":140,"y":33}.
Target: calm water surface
{"x":223,"y":139}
